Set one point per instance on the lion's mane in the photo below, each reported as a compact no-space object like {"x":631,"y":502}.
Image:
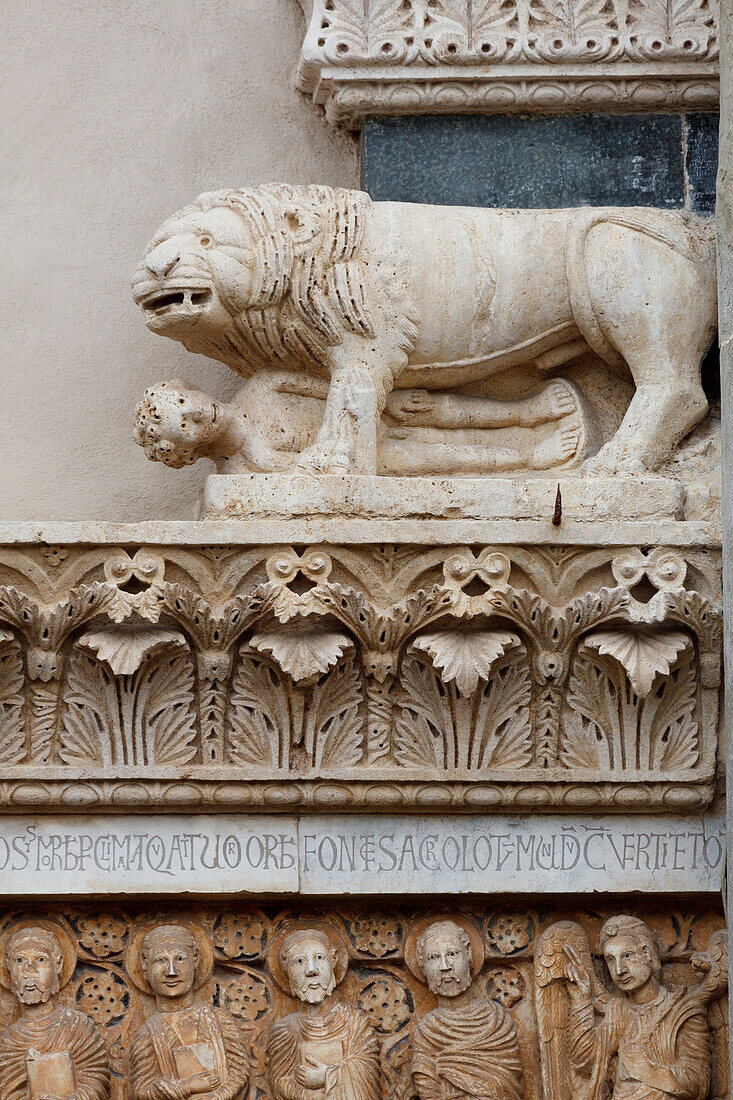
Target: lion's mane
{"x":309,"y":279}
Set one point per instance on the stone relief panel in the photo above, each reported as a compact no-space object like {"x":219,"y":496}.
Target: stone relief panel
{"x":361,"y":57}
{"x":264,"y":1000}
{"x":367,"y":355}
{"x":364,"y":675}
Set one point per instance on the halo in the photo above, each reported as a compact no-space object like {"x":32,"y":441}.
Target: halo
{"x":65,"y":942}
{"x":133,"y":964}
{"x":477,"y":943}
{"x":338,"y":942}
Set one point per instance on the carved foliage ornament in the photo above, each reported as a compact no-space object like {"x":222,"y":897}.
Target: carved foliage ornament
{"x":408,"y":56}
{"x":503,"y":671}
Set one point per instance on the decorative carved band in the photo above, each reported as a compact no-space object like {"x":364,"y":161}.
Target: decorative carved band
{"x":373,"y":676}
{"x":417,"y":56}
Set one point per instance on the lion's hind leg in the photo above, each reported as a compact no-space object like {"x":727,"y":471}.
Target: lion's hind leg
{"x":658,"y":308}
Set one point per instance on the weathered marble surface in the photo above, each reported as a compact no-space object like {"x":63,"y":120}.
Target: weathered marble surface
{"x":239,"y":977}
{"x":375,"y":297}
{"x":446,"y":57}
{"x":209,"y":676}
{"x":318,"y":854}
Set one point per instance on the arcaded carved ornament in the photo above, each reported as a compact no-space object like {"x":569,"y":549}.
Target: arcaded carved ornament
{"x":467,"y":1046}
{"x":184,"y":1048}
{"x":509,"y":675}
{"x":326,"y":1048}
{"x":396,"y":57}
{"x":333,"y":302}
{"x":52,"y":1052}
{"x":649,"y":1041}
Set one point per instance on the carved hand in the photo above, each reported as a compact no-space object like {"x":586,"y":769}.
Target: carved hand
{"x":203,"y":1082}
{"x":312,"y":1074}
{"x":577,"y":975}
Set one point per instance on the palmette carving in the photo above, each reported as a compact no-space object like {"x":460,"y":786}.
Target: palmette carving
{"x":507,"y":55}
{"x":52,"y":1050}
{"x":508,"y":675}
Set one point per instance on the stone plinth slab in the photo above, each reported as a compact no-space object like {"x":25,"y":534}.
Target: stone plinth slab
{"x":286,"y":496}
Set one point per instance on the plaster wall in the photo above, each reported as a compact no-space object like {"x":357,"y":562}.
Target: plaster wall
{"x":115,"y":115}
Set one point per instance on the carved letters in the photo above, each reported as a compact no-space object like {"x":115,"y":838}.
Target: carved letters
{"x":505,"y":671}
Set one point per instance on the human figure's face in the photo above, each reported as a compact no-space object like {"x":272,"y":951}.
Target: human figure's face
{"x":447,"y":965}
{"x":170,"y":967}
{"x":34,"y":971}
{"x":629,"y":963}
{"x":309,"y":966}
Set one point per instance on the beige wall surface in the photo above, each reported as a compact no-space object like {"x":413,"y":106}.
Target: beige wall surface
{"x":115,"y":115}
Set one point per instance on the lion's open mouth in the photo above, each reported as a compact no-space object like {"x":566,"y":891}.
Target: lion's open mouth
{"x":167,"y":301}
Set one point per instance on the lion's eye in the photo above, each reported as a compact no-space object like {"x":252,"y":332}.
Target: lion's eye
{"x":205,"y":240}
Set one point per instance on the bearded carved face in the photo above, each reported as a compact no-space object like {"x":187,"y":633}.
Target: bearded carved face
{"x":310,"y":967}
{"x":629,"y":962}
{"x":34,"y":964}
{"x":445,"y":959}
{"x":198,"y":271}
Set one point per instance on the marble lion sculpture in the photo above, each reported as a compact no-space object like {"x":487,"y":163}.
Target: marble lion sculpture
{"x":378,"y":295}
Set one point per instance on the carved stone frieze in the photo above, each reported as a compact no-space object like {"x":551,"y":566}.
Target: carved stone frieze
{"x":359,"y":676}
{"x":223,"y":1011}
{"x":361,"y":58}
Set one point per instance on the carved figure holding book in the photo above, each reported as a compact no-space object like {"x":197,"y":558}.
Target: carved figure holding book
{"x":467,"y":1046}
{"x":52,"y":1052}
{"x":184,"y":1049}
{"x":326,"y":1048}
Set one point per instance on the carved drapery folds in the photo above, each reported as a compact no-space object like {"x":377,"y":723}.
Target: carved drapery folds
{"x":359,"y":676}
{"x":412,"y":56}
{"x":150,"y":998}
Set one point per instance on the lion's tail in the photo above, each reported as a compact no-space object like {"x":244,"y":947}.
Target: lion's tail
{"x":689,"y":235}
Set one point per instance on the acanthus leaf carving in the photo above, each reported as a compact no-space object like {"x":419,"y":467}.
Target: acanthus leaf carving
{"x":125,"y":650}
{"x":304,"y":655}
{"x":465,"y":656}
{"x":642,"y":654}
{"x":12,"y":722}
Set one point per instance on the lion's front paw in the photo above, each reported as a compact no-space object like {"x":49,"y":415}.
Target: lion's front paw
{"x":612,"y":460}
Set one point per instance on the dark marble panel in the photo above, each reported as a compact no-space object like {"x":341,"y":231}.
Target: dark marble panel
{"x":701,"y":161}
{"x":479,"y":160}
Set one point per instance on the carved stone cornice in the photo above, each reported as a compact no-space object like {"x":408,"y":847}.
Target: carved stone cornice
{"x":357,"y":677}
{"x":443,"y":56}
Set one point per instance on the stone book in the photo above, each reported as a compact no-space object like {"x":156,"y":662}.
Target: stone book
{"x":50,"y":1075}
{"x":194,"y":1059}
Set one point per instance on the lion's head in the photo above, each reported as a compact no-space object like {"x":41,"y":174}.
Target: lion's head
{"x":176,"y":423}
{"x":259,"y":277}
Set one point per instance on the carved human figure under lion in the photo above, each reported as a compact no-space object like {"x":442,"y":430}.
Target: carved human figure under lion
{"x":374,"y":296}
{"x":277,"y":415}
{"x":326,"y":1048}
{"x":184,"y":1049}
{"x":466,"y":1048}
{"x":52,"y":1052}
{"x":658,"y":1038}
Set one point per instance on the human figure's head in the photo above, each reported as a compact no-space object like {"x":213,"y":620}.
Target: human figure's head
{"x":34,"y":961}
{"x":176,"y":423}
{"x":169,"y":959}
{"x":443,"y":952}
{"x":631,"y":953}
{"x":309,"y":959}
